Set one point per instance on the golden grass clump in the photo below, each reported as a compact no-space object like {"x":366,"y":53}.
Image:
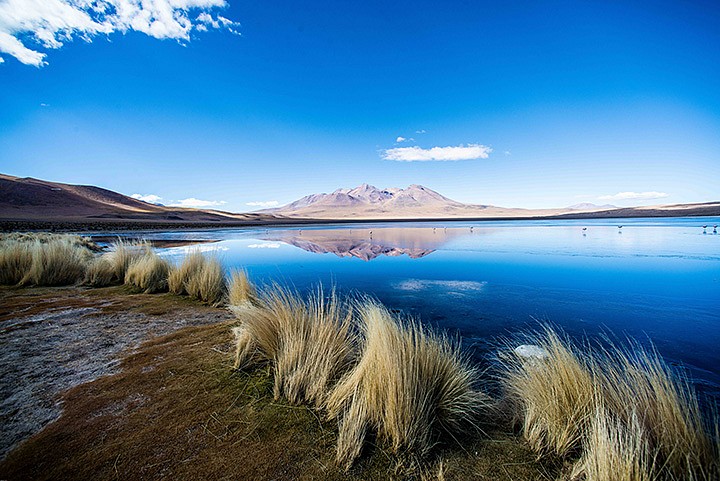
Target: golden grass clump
{"x":199,"y":276}
{"x":615,"y":450}
{"x":148,"y":273}
{"x":179,"y":275}
{"x":620,"y":412}
{"x":307,"y":342}
{"x":56,"y":262}
{"x":15,"y":260}
{"x":43,"y":259}
{"x":639,"y":384}
{"x":241,"y":292}
{"x":110,"y":267}
{"x":554,"y":396}
{"x":410,"y":386}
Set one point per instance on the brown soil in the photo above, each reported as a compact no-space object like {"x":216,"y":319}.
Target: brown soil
{"x":57,"y":338}
{"x":174,"y":408}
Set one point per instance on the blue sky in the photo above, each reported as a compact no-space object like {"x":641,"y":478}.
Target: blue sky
{"x":547,"y":104}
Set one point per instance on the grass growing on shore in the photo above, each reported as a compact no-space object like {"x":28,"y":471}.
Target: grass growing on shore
{"x":148,"y":273}
{"x":619,"y":410}
{"x":199,"y":276}
{"x":110,"y":267}
{"x":409,"y":387}
{"x":15,"y":261}
{"x":398,"y":380}
{"x":307,"y":342}
{"x":43,"y":259}
{"x":241,"y":292}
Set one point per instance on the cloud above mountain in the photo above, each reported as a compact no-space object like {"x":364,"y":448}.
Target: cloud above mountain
{"x":51,"y":23}
{"x":449,"y":153}
{"x":197,"y":203}
{"x":266,"y":203}
{"x":150,"y":198}
{"x":634,"y":196}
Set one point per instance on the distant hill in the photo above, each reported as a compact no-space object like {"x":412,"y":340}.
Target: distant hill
{"x":28,"y":199}
{"x":413,"y":202}
{"x":27,"y":203}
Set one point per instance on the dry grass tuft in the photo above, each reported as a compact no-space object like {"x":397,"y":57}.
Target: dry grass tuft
{"x":615,"y":450}
{"x":110,"y":267}
{"x":622,"y":411}
{"x":241,"y":292}
{"x":409,"y":386}
{"x":43,"y":259}
{"x":15,"y":261}
{"x":179,"y":275}
{"x":639,"y":384}
{"x":200,"y":277}
{"x":555,"y":397}
{"x":56,"y":263}
{"x":308,"y":343}
{"x":148,"y":273}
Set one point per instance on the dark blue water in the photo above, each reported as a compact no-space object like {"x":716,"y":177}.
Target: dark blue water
{"x":653,"y":280}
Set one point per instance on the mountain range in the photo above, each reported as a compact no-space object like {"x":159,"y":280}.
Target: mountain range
{"x":416,"y":201}
{"x":33,"y":203}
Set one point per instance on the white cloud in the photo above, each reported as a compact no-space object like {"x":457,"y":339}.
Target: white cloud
{"x":634,"y":196}
{"x":421,"y":131}
{"x":268,"y":203}
{"x":2,"y":60}
{"x":417,"y":154}
{"x":44,"y":105}
{"x":150,"y":198}
{"x":404,"y":139}
{"x":197,"y":203}
{"x":400,"y":139}
{"x":49,"y":23}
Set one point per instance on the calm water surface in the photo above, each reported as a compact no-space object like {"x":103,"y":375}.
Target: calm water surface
{"x":654,"y":279}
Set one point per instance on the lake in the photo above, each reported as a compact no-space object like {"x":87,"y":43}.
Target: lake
{"x":653,"y":279}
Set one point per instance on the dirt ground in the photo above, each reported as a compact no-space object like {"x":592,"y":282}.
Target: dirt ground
{"x":83,"y":397}
{"x":56,"y":338}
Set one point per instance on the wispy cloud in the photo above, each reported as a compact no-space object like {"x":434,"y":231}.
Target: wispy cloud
{"x":634,"y":196}
{"x":50,"y":23}
{"x":197,"y":203}
{"x":421,"y":131}
{"x":267,"y":203}
{"x":417,"y":154}
{"x":404,"y":139}
{"x":150,"y":198}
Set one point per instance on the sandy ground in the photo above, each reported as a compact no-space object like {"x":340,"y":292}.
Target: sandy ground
{"x":56,"y":338}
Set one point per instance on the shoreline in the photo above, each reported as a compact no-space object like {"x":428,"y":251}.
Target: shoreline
{"x":77,"y":225}
{"x":169,"y":404}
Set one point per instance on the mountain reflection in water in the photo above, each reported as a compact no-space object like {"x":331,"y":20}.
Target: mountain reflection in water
{"x":368,"y":244}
